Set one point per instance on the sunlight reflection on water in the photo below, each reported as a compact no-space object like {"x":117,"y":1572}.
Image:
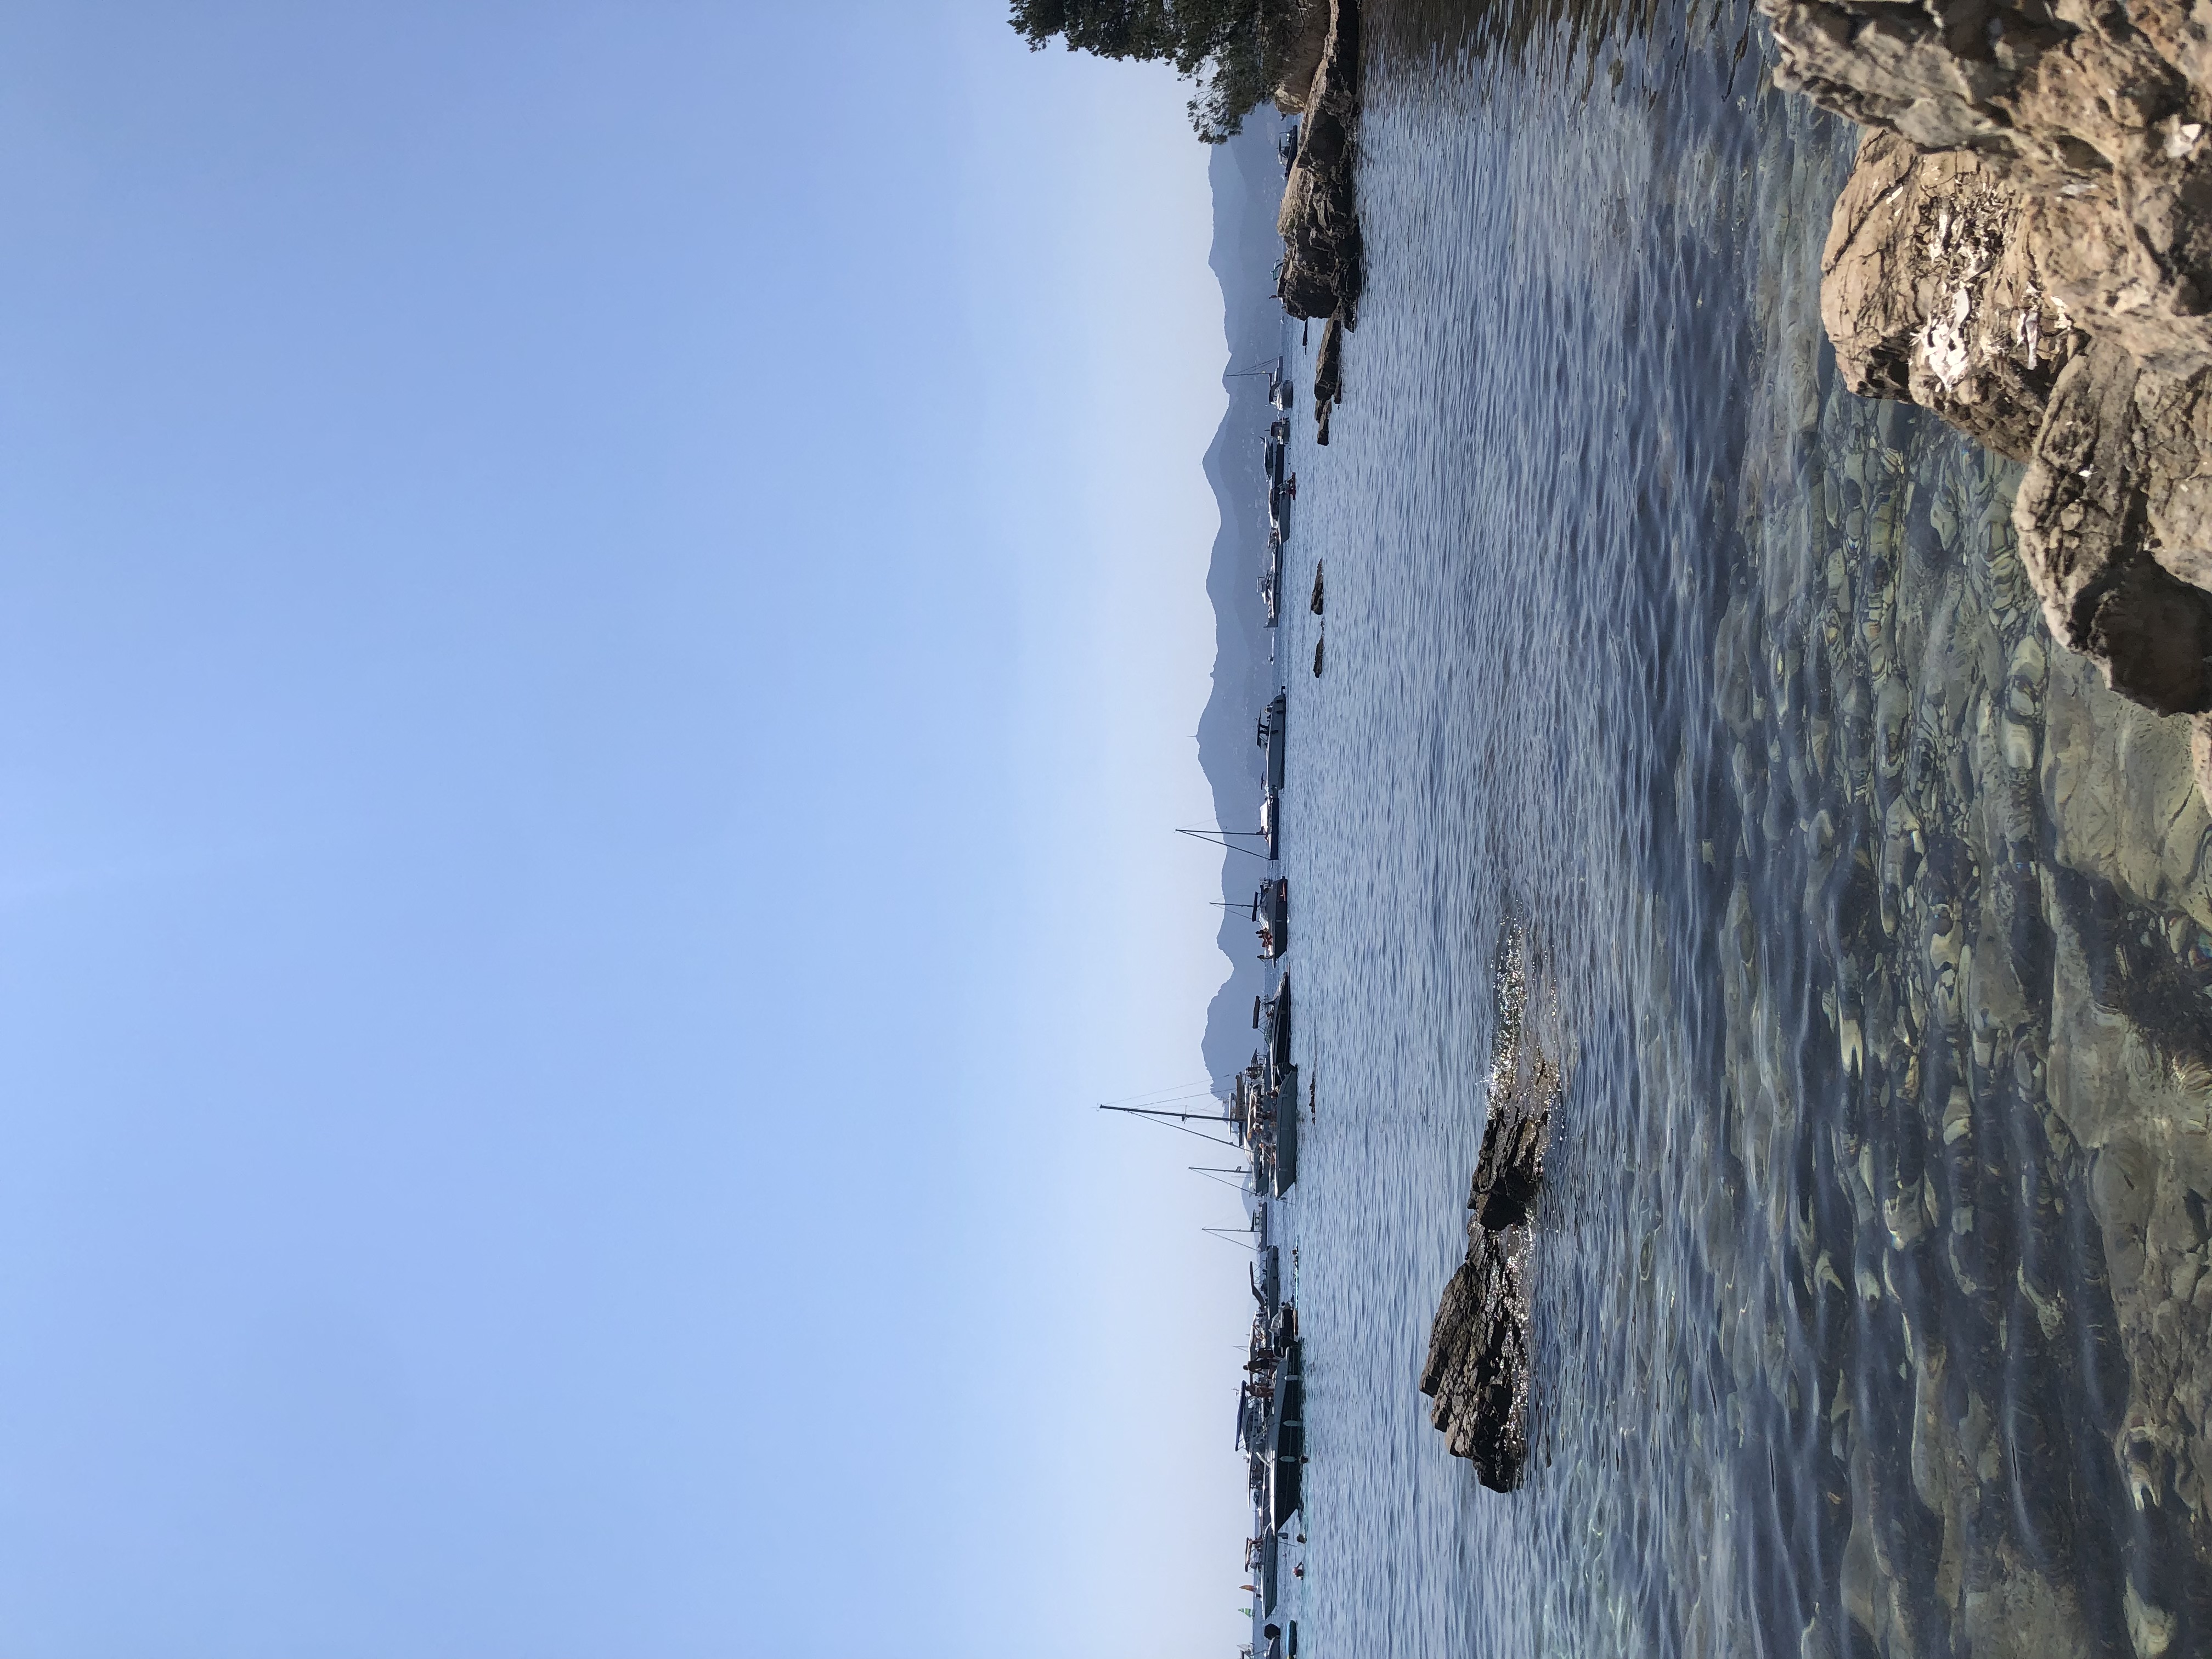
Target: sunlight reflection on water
{"x":1881,"y":931}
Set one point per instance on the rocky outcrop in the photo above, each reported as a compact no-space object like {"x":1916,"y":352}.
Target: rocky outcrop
{"x":1934,"y":296}
{"x":1329,"y":370}
{"x":2025,"y":248}
{"x":1478,"y":1369}
{"x":2097,"y":115}
{"x":1307,"y":32}
{"x":1320,"y":225}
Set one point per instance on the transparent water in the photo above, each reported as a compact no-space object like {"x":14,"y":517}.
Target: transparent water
{"x":1866,"y":1275}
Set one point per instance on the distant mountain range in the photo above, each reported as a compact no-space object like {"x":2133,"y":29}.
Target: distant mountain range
{"x":1247,"y":190}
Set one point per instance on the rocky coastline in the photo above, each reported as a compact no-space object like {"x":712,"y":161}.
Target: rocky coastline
{"x":1322,"y":251}
{"x":2026,"y":249}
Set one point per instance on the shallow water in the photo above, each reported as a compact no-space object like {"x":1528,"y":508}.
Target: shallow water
{"x":1866,"y":1276}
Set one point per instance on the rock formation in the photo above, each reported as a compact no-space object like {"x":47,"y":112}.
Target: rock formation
{"x":2025,"y":248}
{"x":1478,"y":1365}
{"x":1329,"y":374}
{"x":1319,"y":225}
{"x":1309,"y":43}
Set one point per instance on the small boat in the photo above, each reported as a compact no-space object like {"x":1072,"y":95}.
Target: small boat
{"x":1286,"y":1132}
{"x":1286,"y":148}
{"x":1287,"y":1438}
{"x":1280,"y":431}
{"x":1271,"y":738}
{"x":1279,"y":392}
{"x":1271,"y":584}
{"x":1271,"y":822}
{"x":1276,"y":1023}
{"x":1271,"y":909}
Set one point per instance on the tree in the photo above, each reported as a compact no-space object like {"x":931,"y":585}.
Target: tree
{"x":1233,"y":49}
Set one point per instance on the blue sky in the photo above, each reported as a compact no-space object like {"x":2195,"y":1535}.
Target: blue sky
{"x":601,"y":612}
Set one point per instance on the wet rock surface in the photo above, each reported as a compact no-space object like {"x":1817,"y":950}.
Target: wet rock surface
{"x":2025,"y":248}
{"x":1477,"y":1370}
{"x":1319,"y":222}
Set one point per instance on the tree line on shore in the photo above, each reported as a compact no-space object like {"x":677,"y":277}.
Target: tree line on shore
{"x":1236,"y":51}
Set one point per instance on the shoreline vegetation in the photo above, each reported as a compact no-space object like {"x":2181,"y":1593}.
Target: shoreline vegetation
{"x":1239,"y":53}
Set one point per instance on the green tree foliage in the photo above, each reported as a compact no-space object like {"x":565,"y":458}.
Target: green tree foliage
{"x":1232,"y":49}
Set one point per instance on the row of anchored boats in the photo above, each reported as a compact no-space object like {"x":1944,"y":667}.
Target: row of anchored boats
{"x":1271,"y":1432}
{"x":1270,"y":1427}
{"x":1282,"y":490}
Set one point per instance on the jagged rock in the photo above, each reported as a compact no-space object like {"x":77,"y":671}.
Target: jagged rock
{"x":2083,"y":111}
{"x":1933,"y":296}
{"x":1477,"y":1369}
{"x":1319,"y":222}
{"x":2101,"y":486}
{"x":1328,"y":369}
{"x":1478,"y":1365}
{"x":2043,"y":280}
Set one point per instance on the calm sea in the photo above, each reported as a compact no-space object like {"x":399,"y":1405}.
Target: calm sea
{"x":1876,"y":931}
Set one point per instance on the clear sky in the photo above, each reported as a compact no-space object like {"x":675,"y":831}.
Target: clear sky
{"x":601,"y":616}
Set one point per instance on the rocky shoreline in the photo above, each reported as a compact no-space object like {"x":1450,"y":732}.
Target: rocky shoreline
{"x":2026,"y":249}
{"x":1323,"y":252}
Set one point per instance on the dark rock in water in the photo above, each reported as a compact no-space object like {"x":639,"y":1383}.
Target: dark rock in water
{"x":1328,"y":369}
{"x":1321,"y":426}
{"x":1477,"y":1369}
{"x":2026,"y":250}
{"x":1314,"y":604}
{"x":1320,"y":225}
{"x":1318,"y":643}
{"x":1511,"y":1167}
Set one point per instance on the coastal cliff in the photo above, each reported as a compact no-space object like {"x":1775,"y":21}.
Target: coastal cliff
{"x":2026,"y":249}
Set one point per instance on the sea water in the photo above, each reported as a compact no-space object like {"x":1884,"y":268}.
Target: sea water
{"x":1879,"y":933}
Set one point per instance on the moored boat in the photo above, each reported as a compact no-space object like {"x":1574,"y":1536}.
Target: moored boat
{"x":1270,"y":737}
